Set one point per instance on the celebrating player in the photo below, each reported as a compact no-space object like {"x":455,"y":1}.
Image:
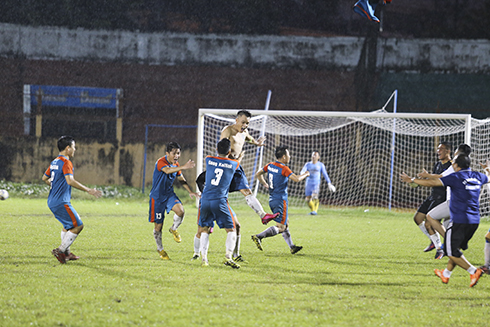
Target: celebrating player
{"x":163,"y":197}
{"x":59,"y":176}
{"x":312,"y":185}
{"x":278,"y":176}
{"x":464,"y":209}
{"x":214,"y":202}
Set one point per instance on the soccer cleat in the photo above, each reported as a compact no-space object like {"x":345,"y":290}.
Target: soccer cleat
{"x":313,"y":213}
{"x":59,"y":255}
{"x":268,"y":217}
{"x":239,"y":259}
{"x":475,"y":277}
{"x":430,"y":247}
{"x":195,"y":256}
{"x":485,"y":270}
{"x":204,"y":263}
{"x":176,"y":235}
{"x":295,"y":249}
{"x":231,"y":263}
{"x":71,"y":256}
{"x":257,"y":242}
{"x":163,"y":255}
{"x":439,"y":254}
{"x":439,"y":273}
{"x":364,"y":8}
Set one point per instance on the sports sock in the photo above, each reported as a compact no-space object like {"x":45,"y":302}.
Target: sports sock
{"x":67,"y":241}
{"x":436,"y":240}
{"x":177,"y":221}
{"x":311,"y":205}
{"x":447,"y":273}
{"x":230,"y":244}
{"x":287,"y":237}
{"x":471,"y":269}
{"x":63,"y":233}
{"x":255,"y":205}
{"x":317,"y":204}
{"x":487,"y":253}
{"x":423,"y":229}
{"x":269,"y":232}
{"x":158,"y":239}
{"x":197,"y":244}
{"x":236,"y":251}
{"x":204,"y":246}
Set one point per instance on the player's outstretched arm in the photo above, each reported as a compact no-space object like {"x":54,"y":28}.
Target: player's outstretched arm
{"x":70,"y":180}
{"x":426,"y":174}
{"x":296,"y":178}
{"x":423,"y":182}
{"x":184,"y":184}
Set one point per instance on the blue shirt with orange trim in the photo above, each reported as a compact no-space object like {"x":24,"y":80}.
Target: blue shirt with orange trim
{"x":278,"y":176}
{"x":219,"y":174}
{"x":60,"y":192}
{"x":163,"y":184}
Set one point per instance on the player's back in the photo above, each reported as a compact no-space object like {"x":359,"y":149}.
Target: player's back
{"x":278,"y":175}
{"x":60,"y":192}
{"x":219,"y":173}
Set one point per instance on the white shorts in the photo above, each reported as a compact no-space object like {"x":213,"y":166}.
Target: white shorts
{"x":440,"y":212}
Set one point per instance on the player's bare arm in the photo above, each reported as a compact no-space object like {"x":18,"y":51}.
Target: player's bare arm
{"x":46,"y":180}
{"x":188,"y":165}
{"x":296,"y":178}
{"x":76,"y":184}
{"x":486,"y":167}
{"x":186,"y":186}
{"x":423,"y":182}
{"x":426,"y":174}
{"x":260,"y":176}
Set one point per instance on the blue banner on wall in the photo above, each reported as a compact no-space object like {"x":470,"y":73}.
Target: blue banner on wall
{"x":69,"y":96}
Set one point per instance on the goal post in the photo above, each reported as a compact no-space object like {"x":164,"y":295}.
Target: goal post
{"x":360,"y":150}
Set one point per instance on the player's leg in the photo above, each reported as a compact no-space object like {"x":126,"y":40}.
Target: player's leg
{"x":224,"y":217}
{"x":237,"y":257}
{"x":316,"y":200}
{"x":179,"y":212}
{"x":156,"y":216}
{"x":419,"y":220}
{"x":197,"y":243}
{"x":204,"y":246}
{"x":486,"y":266}
{"x":72,"y":224}
{"x":276,"y":207}
{"x":309,"y":200}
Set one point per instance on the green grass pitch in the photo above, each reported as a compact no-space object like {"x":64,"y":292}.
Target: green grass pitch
{"x":357,"y":268}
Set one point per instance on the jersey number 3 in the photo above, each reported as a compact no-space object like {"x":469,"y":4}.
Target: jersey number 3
{"x":218,"y":173}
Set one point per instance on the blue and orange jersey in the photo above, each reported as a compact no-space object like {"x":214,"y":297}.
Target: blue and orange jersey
{"x":219,"y":173}
{"x":60,"y":192}
{"x":278,"y":176}
{"x":163,"y":183}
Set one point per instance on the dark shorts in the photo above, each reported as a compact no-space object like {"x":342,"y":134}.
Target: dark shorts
{"x":239,"y":181}
{"x":457,"y":238}
{"x":430,"y":203}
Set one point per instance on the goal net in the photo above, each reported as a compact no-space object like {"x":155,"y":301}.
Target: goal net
{"x":363,"y":153}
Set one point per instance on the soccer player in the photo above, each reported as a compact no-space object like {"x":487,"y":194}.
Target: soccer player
{"x":312,"y":185}
{"x":436,"y":214}
{"x":59,"y":176}
{"x":278,"y":175}
{"x":464,"y":209}
{"x":214,"y":202}
{"x":163,"y":197}
{"x":436,"y":197}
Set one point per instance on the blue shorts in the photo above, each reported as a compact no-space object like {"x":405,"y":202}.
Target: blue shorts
{"x":281,"y":207}
{"x":216,"y":210}
{"x":67,"y":216}
{"x":312,"y":188}
{"x":157,"y":210}
{"x":239,"y":181}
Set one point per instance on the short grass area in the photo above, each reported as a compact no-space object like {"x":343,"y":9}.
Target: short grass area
{"x":357,"y":268}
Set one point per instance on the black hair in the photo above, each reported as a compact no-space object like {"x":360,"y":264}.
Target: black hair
{"x":172,"y":145}
{"x":280,"y":151}
{"x":224,"y":146}
{"x":464,"y":149}
{"x":447,"y":145}
{"x":463,"y":161}
{"x":65,"y":141}
{"x":246,"y":113}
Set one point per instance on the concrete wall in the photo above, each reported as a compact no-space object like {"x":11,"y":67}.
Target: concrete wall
{"x":417,"y":55}
{"x":25,"y":160}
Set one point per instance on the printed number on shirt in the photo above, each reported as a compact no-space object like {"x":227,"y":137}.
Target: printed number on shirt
{"x":270,"y":181}
{"x":218,"y":173}
{"x":51,"y":179}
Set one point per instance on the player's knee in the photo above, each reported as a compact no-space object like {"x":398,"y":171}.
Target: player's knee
{"x":246,"y":192}
{"x":487,"y":237}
